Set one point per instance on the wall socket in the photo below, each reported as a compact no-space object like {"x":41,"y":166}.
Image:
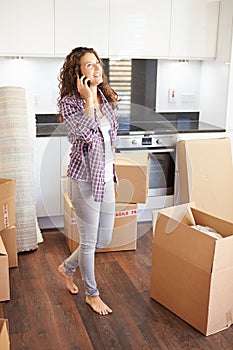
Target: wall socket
{"x":188,"y":98}
{"x":171,"y":95}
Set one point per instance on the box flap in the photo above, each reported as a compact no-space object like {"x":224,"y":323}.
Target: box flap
{"x":140,"y":159}
{"x":2,"y":247}
{"x":223,"y":258}
{"x":4,"y":335}
{"x":180,"y":239}
{"x":222,"y":226}
{"x":206,"y":176}
{"x":181,"y":213}
{"x":9,"y":240}
{"x":7,"y":188}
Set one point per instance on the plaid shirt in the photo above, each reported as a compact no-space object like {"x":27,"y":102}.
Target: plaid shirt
{"x":87,"y":157}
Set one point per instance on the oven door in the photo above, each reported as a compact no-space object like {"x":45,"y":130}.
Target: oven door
{"x":162,"y":170}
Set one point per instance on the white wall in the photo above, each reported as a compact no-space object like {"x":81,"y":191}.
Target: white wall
{"x":39,"y":76}
{"x":214,"y":92}
{"x":184,"y":77}
{"x":206,"y":82}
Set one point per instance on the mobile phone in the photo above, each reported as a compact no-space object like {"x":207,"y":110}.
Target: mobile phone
{"x":80,"y":75}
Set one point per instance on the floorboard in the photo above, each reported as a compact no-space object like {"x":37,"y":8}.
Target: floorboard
{"x":43,"y":315}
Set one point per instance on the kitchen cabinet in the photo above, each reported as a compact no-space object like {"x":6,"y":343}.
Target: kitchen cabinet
{"x":81,"y":23}
{"x":225,"y":31}
{"x":172,"y":29}
{"x":52,"y":157}
{"x":64,"y":157}
{"x":27,"y":28}
{"x":48,"y":169}
{"x":115,"y":28}
{"x":194,"y":25}
{"x":139,"y":29}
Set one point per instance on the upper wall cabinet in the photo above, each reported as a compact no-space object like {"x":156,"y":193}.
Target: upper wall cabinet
{"x":224,"y":45}
{"x":26,"y":27}
{"x":139,"y":29}
{"x":115,"y":28}
{"x":194,"y":26}
{"x":81,"y":23}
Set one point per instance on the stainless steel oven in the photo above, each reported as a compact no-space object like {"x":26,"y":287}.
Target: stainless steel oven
{"x":161,"y":149}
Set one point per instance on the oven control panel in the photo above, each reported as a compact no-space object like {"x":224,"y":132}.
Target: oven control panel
{"x":146,"y":141}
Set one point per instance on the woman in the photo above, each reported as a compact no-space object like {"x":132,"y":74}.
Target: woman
{"x":88,"y":107}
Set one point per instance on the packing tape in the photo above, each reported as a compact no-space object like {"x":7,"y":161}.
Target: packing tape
{"x":124,"y":213}
{"x":5,"y":215}
{"x":69,"y":218}
{"x":118,"y":214}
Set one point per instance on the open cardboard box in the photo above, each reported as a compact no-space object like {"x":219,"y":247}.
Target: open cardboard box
{"x":192,"y":271}
{"x":9,"y":240}
{"x":133,"y":171}
{"x":7,"y":203}
{"x":4,"y":335}
{"x":4,"y":274}
{"x":124,"y":231}
{"x":205,"y":175}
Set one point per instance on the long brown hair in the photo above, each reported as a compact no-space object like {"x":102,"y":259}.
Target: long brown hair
{"x":68,"y":76}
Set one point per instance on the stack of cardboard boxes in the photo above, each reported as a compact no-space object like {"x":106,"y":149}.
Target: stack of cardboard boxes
{"x":192,"y":268}
{"x":8,"y":248}
{"x":133,"y":180}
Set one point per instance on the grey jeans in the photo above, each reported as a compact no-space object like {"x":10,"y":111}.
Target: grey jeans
{"x":95,"y":222}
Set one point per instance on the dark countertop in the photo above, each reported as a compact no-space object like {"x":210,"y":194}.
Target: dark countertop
{"x":198,"y":126}
{"x":166,"y":123}
{"x":57,"y":129}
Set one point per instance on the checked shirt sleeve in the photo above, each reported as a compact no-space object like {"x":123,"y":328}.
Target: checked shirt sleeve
{"x":79,"y":124}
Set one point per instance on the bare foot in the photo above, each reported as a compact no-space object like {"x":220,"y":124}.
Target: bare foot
{"x":98,"y":305}
{"x":70,"y":285}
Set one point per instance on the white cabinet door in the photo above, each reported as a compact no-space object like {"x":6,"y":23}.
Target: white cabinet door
{"x":65,"y":159}
{"x":27,"y":27}
{"x":81,"y":23}
{"x":194,"y":25}
{"x":139,"y":29}
{"x":225,"y":31}
{"x":48,"y":183}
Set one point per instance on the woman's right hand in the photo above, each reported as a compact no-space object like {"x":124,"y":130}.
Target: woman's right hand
{"x":83,"y":88}
{"x":87,"y":94}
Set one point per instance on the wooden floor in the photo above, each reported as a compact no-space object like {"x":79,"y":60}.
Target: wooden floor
{"x":44,"y":316}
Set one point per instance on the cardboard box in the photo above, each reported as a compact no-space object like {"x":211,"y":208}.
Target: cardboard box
{"x":192,"y":271}
{"x":9,"y":240}
{"x":124,"y":232}
{"x":4,"y":335}
{"x":7,"y":203}
{"x":206,"y":175}
{"x":4,"y":274}
{"x":70,"y":226}
{"x":133,"y":172}
{"x":124,"y":236}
